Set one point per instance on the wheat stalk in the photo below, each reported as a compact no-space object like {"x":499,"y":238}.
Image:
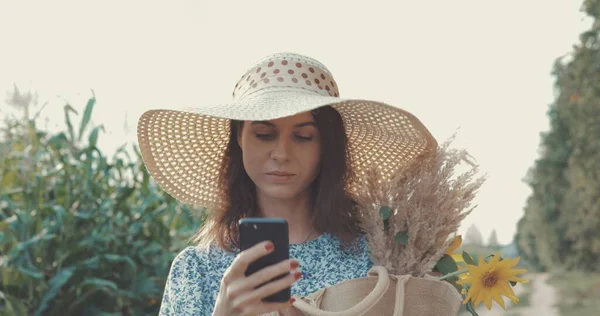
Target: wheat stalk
{"x":428,"y":201}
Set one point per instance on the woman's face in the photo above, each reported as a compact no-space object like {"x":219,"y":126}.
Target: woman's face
{"x":281,"y":156}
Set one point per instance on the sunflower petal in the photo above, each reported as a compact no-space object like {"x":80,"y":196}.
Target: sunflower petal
{"x":457,"y":257}
{"x":520,"y":280}
{"x":509,"y":263}
{"x":488,"y":302}
{"x":500,"y":301}
{"x":456,"y":242}
{"x":519,"y":271}
{"x":478,"y":299}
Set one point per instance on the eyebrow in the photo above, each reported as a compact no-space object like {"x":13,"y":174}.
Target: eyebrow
{"x":273,"y":125}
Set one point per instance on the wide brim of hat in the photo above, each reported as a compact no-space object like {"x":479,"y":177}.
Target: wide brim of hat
{"x":183,"y":149}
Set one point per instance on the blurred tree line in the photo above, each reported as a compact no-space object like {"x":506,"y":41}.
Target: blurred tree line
{"x":561,"y":224}
{"x":81,"y":233}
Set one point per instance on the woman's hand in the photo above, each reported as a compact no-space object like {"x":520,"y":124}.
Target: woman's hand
{"x":238,"y":294}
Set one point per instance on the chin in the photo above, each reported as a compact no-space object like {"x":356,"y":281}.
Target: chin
{"x":282,"y":193}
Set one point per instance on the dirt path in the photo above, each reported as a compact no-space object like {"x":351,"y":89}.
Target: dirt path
{"x":541,"y":300}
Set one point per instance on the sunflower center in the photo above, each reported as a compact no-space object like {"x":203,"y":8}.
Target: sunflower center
{"x":490,"y":279}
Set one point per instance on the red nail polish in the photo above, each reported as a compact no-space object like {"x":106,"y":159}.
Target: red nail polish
{"x":269,"y":246}
{"x":294,"y":264}
{"x":297,"y":275}
{"x":292,"y":300}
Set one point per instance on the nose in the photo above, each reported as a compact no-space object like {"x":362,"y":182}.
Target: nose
{"x":281,"y":151}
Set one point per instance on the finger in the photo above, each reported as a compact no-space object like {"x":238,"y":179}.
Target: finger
{"x":268,"y":289}
{"x":269,"y":273}
{"x":238,"y":289}
{"x":246,"y":257}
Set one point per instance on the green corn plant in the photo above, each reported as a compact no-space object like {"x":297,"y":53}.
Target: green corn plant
{"x":82,"y":233}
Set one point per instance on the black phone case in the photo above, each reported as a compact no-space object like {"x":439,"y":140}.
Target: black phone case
{"x":256,"y":230}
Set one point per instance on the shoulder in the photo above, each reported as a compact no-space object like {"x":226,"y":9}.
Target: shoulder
{"x":188,"y":263}
{"x":188,"y":267}
{"x":192,"y":261}
{"x":189,"y":255}
{"x":193,"y":280}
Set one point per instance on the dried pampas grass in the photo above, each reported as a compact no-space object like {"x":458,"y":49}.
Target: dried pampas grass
{"x":428,"y":201}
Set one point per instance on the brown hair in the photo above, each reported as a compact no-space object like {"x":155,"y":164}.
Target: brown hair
{"x":333,"y":211}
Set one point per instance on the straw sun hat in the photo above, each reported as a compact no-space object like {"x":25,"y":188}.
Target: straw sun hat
{"x":183,"y":150}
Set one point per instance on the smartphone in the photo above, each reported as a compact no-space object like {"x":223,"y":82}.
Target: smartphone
{"x":254,"y":230}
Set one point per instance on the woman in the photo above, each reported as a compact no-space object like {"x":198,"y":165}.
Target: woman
{"x":288,"y":147}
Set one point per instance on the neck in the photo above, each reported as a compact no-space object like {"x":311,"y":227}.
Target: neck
{"x":295,"y":211}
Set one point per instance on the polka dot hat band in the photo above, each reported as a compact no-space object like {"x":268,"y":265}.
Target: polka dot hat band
{"x":299,"y":74}
{"x":183,"y":149}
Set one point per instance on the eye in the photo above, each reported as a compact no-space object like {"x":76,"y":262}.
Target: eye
{"x":265,"y":136}
{"x":304,"y":138}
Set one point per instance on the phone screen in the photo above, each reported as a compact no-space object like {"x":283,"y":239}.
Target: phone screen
{"x":256,"y":230}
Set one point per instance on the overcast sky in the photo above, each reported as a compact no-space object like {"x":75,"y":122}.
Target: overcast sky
{"x":480,"y":67}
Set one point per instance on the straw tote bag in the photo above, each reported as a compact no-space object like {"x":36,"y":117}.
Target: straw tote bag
{"x":381,"y":294}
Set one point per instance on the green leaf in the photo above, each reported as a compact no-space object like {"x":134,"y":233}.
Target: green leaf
{"x":144,"y":285}
{"x":93,"y":139}
{"x":69,"y":108}
{"x":446,"y":265}
{"x":402,"y":237}
{"x":31,"y":271}
{"x":471,"y":308}
{"x":13,"y":306}
{"x":44,"y":235}
{"x":124,"y":193}
{"x":83,"y":215}
{"x":56,"y":140}
{"x":119,"y":258}
{"x":153,"y":248}
{"x":100,"y":283}
{"x":60,"y":279}
{"x":3,"y":302}
{"x":91,"y":263}
{"x":87,"y":114}
{"x":468,"y":259}
{"x":385,"y":212}
{"x":60,"y":213}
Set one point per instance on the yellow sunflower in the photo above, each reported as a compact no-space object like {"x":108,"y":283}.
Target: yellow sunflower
{"x":490,"y":280}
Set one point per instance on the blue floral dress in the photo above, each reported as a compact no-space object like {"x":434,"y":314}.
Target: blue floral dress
{"x":195,"y":276}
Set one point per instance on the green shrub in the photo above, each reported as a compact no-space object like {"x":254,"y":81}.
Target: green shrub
{"x":82,"y":234}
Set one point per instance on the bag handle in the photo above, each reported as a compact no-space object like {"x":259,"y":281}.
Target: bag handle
{"x":400,"y":286}
{"x":366,"y":303}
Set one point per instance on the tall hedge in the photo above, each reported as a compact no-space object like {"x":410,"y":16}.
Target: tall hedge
{"x":562,"y":217}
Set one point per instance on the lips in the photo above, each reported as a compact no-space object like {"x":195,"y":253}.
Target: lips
{"x":280,"y":174}
{"x":280,"y":177}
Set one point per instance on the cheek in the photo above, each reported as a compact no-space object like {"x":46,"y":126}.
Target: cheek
{"x":311,"y":159}
{"x":253,"y":155}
